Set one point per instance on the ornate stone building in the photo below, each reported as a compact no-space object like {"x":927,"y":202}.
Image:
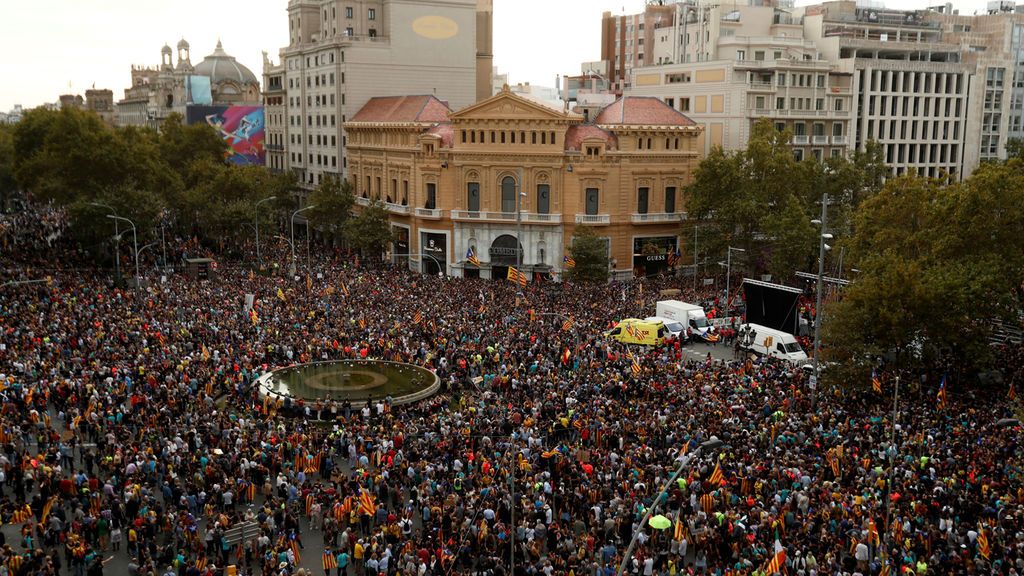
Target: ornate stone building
{"x":508,"y":167}
{"x":156,"y":92}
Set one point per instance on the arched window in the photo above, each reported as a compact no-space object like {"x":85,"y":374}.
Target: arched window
{"x":508,"y":194}
{"x":473,"y":196}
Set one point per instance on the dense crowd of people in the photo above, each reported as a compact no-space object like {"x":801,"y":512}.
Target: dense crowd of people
{"x":132,"y":432}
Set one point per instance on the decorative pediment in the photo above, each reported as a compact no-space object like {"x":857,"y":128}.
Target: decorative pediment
{"x":509,"y":106}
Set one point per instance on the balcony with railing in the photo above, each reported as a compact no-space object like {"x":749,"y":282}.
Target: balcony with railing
{"x":474,"y":215}
{"x":527,"y":217}
{"x":658,"y":217}
{"x":397,"y":208}
{"x":362,"y":201}
{"x":839,"y":140}
{"x":819,"y":140}
{"x":801,"y":139}
{"x":593,"y":219}
{"x":431,"y":213}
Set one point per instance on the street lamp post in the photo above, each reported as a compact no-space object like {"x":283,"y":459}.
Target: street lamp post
{"x":117,"y":239}
{"x":822,"y":248}
{"x":310,"y":207}
{"x":259,"y":259}
{"x":657,"y":500}
{"x":728,"y":278}
{"x":135,"y":245}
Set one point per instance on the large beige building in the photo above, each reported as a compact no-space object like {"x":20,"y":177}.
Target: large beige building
{"x":741,"y":63}
{"x":627,"y":42}
{"x":509,"y":167}
{"x":343,"y":52}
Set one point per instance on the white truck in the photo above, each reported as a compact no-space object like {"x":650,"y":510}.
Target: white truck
{"x":765,"y":341}
{"x":689,"y":315}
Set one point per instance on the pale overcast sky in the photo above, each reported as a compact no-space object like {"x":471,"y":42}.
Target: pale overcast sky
{"x":47,"y":46}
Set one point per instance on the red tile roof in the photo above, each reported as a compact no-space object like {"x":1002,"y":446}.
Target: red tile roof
{"x":642,"y":110}
{"x":445,"y":131}
{"x":575,"y":136}
{"x":403,"y":109}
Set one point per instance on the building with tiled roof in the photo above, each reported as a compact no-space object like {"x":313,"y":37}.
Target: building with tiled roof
{"x":509,"y":180}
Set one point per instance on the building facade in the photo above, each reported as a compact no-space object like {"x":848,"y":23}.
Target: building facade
{"x":343,"y":52}
{"x":940,"y":92}
{"x":476,"y":179}
{"x":911,"y":85}
{"x":994,"y":44}
{"x":751,"y":62}
{"x":157,"y":92}
{"x":627,"y":41}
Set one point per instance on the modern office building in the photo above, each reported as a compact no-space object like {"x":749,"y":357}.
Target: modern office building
{"x":341,"y":53}
{"x":911,"y":84}
{"x":508,"y":167}
{"x":627,"y":41}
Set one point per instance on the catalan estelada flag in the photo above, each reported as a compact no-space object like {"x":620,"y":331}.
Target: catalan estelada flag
{"x":568,"y":261}
{"x":417,"y":317}
{"x":717,"y":476}
{"x":471,"y":257}
{"x":941,"y":396}
{"x":876,"y":384}
{"x":567,"y":325}
{"x":329,"y":561}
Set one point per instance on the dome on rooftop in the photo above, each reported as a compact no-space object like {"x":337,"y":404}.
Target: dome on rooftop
{"x":221,"y":67}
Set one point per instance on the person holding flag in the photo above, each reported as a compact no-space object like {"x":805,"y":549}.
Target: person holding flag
{"x":941,"y":396}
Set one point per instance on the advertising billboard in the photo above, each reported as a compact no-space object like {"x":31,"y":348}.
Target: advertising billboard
{"x":242,"y":127}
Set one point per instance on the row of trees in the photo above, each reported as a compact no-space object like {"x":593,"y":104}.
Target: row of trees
{"x":173,"y":178}
{"x":938,"y":262}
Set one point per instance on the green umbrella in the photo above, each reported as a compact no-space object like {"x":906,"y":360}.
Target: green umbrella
{"x":659,"y":522}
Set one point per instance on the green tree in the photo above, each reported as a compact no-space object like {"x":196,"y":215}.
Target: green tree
{"x":590,"y":252}
{"x":334,"y":202}
{"x":370,"y":231}
{"x":182,"y":144}
{"x":937,"y":263}
{"x":8,"y":184}
{"x":761,"y":199}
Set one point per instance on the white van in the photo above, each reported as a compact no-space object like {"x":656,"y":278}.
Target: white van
{"x":675,"y":328}
{"x":766,"y":341}
{"x":690,"y":315}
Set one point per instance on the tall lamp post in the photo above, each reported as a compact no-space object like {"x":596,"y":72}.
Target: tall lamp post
{"x":310,"y":207}
{"x":519,"y":229}
{"x":117,"y":238}
{"x":135,"y":245}
{"x":256,"y":210}
{"x":728,"y":278}
{"x":822,"y":248}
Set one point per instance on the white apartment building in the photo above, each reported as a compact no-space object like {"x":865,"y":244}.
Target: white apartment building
{"x":735,"y":64}
{"x":341,"y":53}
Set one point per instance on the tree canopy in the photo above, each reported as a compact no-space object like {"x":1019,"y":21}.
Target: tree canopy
{"x":590,"y":252}
{"x":175,"y":176}
{"x":762,"y":199}
{"x":938,"y":264}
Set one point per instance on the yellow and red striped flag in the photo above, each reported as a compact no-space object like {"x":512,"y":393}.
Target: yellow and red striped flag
{"x":329,"y":561}
{"x":717,"y":476}
{"x":417,"y":317}
{"x":983,"y":547}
